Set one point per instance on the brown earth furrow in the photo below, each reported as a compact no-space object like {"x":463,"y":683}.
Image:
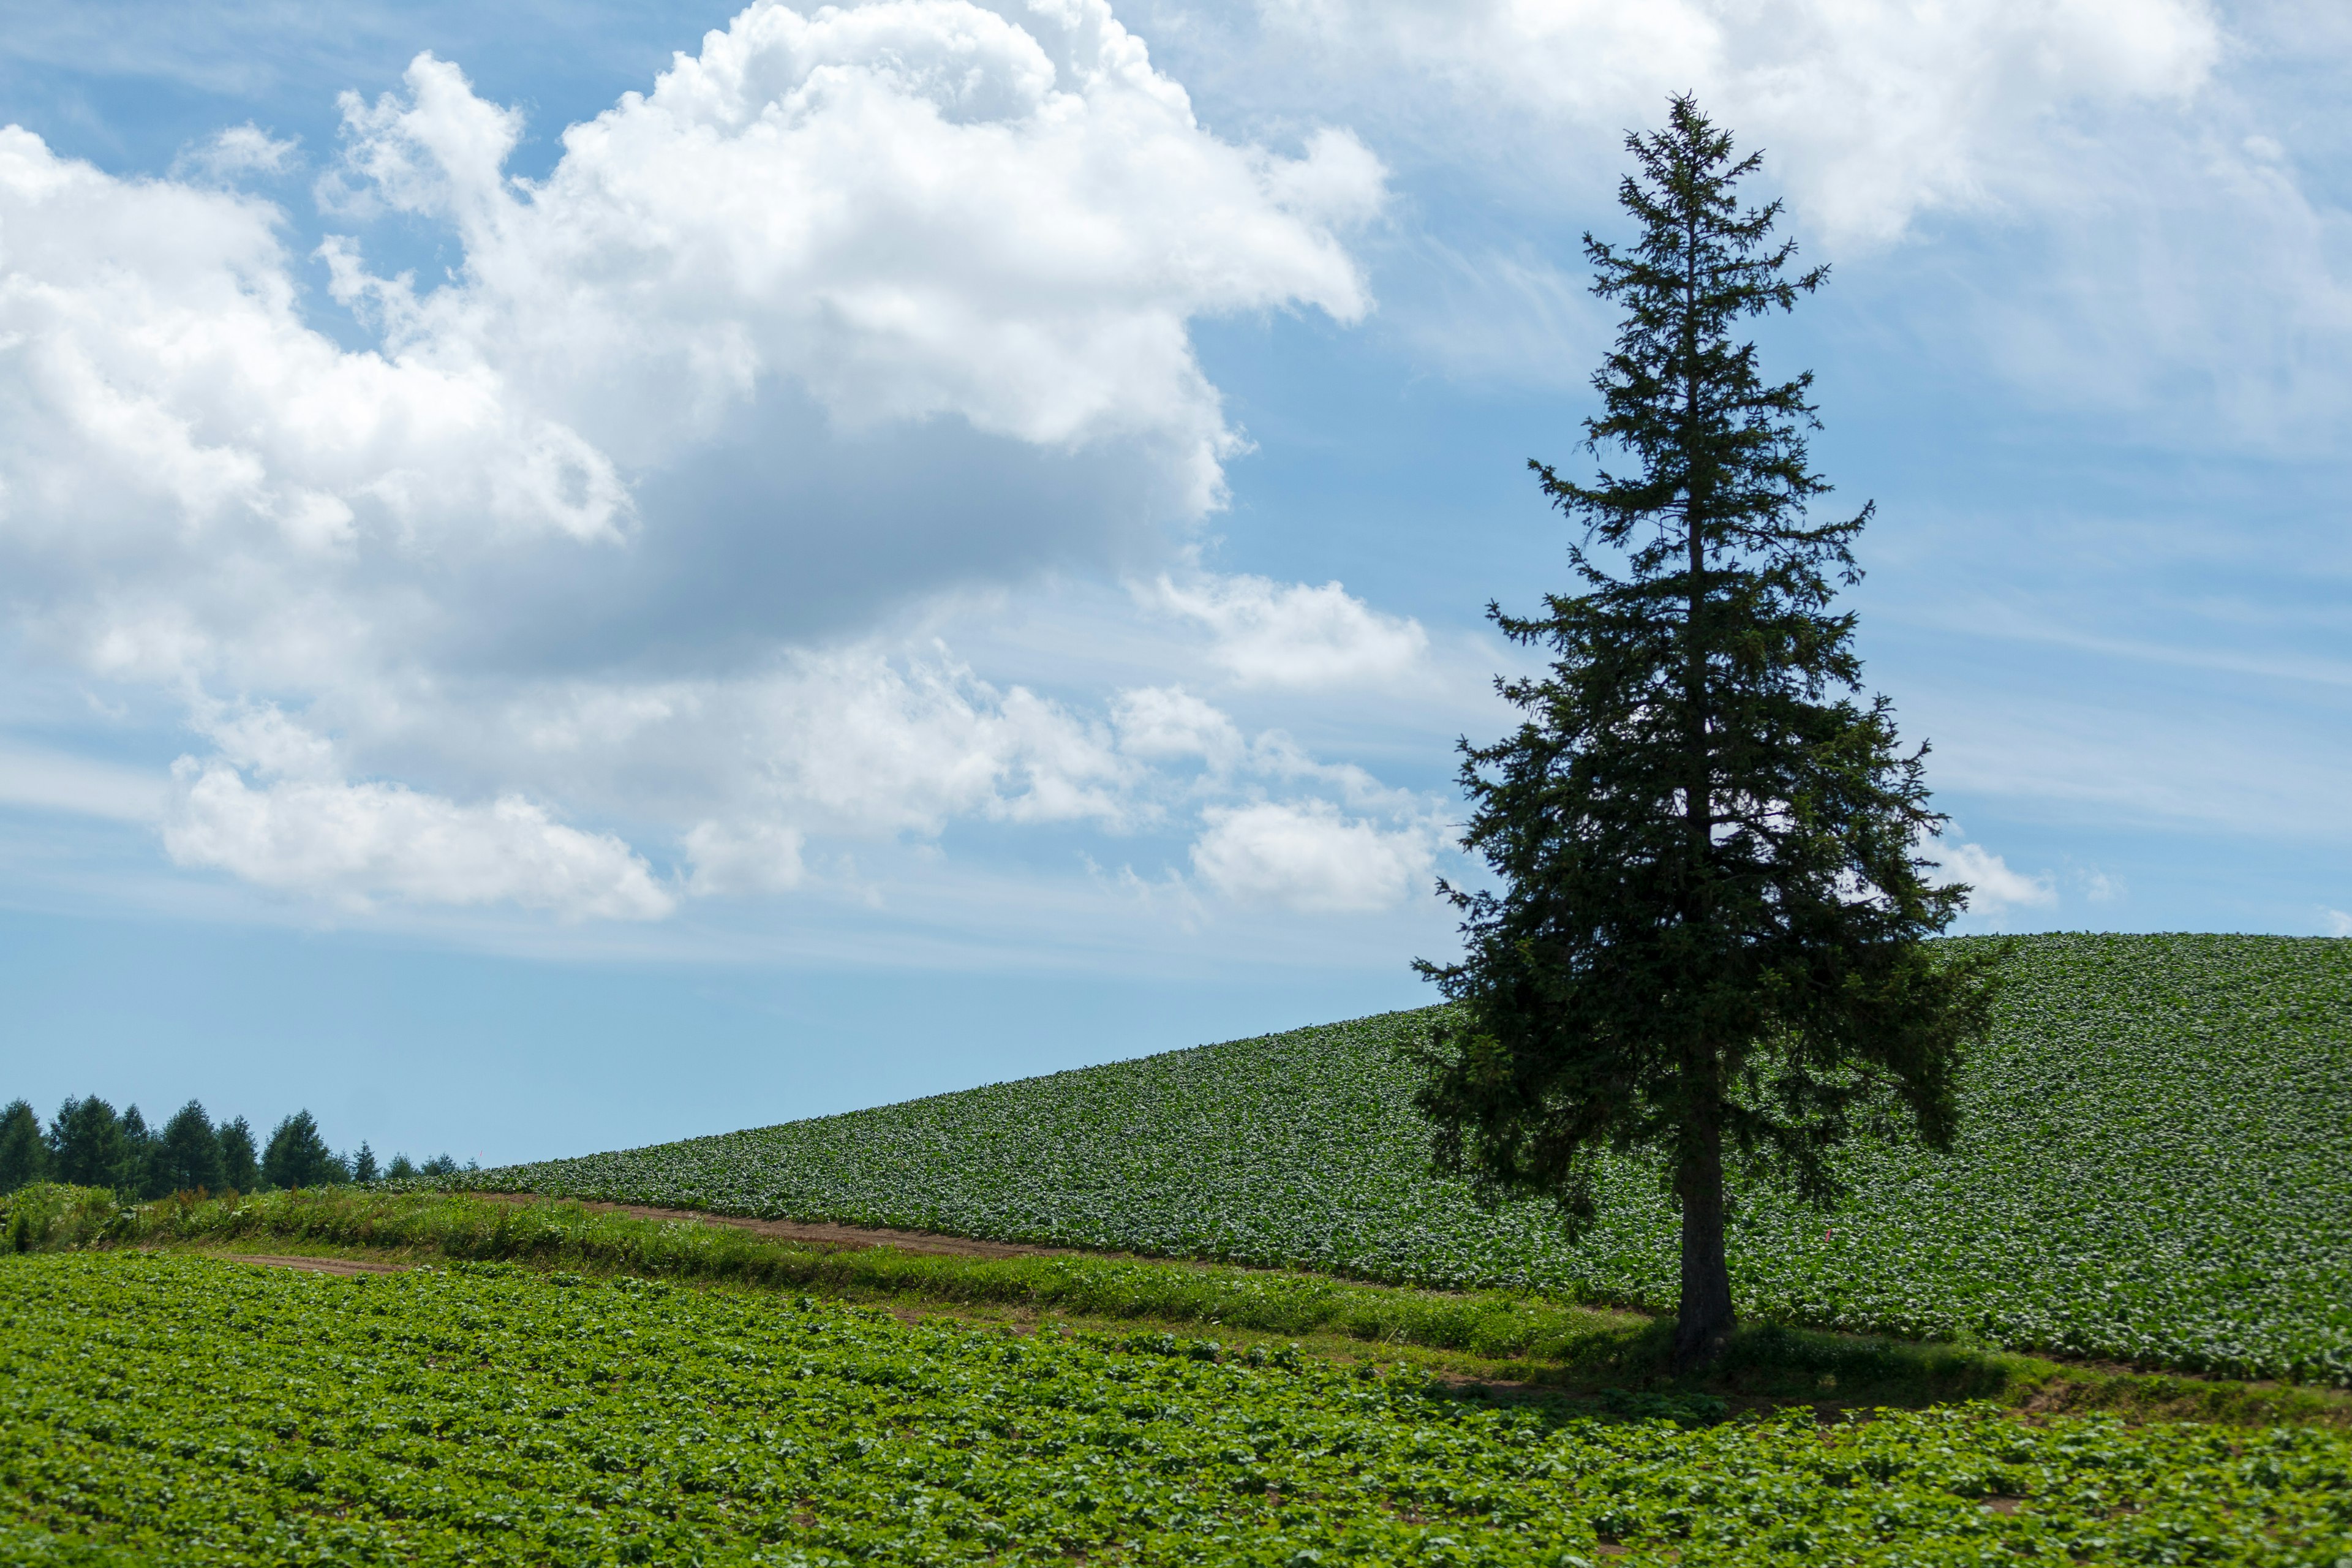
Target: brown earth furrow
{"x":340,"y":1267}
{"x":820,"y":1233}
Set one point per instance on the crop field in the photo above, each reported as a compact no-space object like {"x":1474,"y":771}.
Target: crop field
{"x":2154,"y":1169}
{"x":193,"y":1411}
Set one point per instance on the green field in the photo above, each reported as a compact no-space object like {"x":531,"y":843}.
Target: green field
{"x":2155,"y":1168}
{"x":186,"y":1410}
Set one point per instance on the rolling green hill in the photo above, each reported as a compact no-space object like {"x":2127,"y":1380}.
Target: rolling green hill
{"x":2156,"y":1167}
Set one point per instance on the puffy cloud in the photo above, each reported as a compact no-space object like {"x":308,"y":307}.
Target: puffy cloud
{"x":261,"y":737}
{"x":1305,"y":856}
{"x":1993,"y":888}
{"x":1160,"y":723}
{"x":356,"y":842}
{"x":191,"y":477}
{"x":856,"y":743}
{"x":908,"y":209}
{"x":2337,"y":922}
{"x":2147,"y":178}
{"x":905,"y":210}
{"x":1874,"y":112}
{"x":853,"y":306}
{"x":1293,"y":635}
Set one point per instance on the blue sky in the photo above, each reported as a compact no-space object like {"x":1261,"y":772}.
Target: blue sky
{"x":581,"y":574}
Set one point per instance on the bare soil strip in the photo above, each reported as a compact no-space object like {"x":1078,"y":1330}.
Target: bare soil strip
{"x":817,"y":1233}
{"x":340,"y":1267}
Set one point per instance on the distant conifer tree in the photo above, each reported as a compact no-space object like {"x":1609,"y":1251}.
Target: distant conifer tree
{"x":298,"y":1156}
{"x":240,"y":1167}
{"x":364,"y":1164}
{"x":87,"y":1147}
{"x":24,"y":1153}
{"x":139,"y":1174}
{"x":1705,"y":939}
{"x":401,"y":1169}
{"x":188,"y":1154}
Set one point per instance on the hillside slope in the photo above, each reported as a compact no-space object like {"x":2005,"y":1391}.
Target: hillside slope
{"x":2155,"y":1168}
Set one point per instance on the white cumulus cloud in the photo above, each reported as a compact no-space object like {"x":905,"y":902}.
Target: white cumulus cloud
{"x":1293,"y":635}
{"x":1992,"y":886}
{"x":1874,"y":112}
{"x":1305,"y":856}
{"x":1164,"y":723}
{"x":357,"y":842}
{"x":861,"y":745}
{"x":857,"y":304}
{"x":908,"y":209}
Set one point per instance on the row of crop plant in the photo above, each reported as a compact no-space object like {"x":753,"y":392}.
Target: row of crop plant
{"x":88,"y":1145}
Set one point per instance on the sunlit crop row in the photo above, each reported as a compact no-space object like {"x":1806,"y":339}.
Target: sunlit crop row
{"x":2156,"y":1167}
{"x":160,"y":1409}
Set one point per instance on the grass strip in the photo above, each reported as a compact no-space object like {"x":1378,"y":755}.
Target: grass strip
{"x":1491,"y":1324}
{"x":1523,"y":1337}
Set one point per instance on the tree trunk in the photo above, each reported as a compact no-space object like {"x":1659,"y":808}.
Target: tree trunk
{"x":1705,"y":1320}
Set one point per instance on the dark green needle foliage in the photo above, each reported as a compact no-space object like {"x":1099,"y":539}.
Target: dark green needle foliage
{"x":23,"y":1153}
{"x":87,"y":1147}
{"x":240,"y":1166}
{"x":138,"y":1156}
{"x":363,"y":1167}
{"x":1706,"y":936}
{"x":188,"y":1155}
{"x":299,"y":1157}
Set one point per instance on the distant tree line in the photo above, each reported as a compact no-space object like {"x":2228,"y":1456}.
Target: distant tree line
{"x":86,"y":1143}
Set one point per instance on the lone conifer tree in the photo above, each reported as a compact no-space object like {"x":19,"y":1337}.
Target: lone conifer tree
{"x":1706,"y":937}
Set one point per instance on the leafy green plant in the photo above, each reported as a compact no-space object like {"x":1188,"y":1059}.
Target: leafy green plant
{"x":1506,"y":1334}
{"x":2150,"y":1169}
{"x":47,"y":1216}
{"x":176,"y":1409}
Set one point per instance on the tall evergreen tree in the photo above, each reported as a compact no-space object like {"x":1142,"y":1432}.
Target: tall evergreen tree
{"x":1706,"y":935}
{"x":24,"y":1153}
{"x":240,"y":1165}
{"x":364,"y":1164}
{"x":140,"y":1178}
{"x":87,"y":1146}
{"x":188,"y":1154}
{"x":298,"y":1156}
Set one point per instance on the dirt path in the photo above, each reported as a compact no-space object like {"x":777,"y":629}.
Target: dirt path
{"x":820,"y":1233}
{"x":340,"y":1267}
